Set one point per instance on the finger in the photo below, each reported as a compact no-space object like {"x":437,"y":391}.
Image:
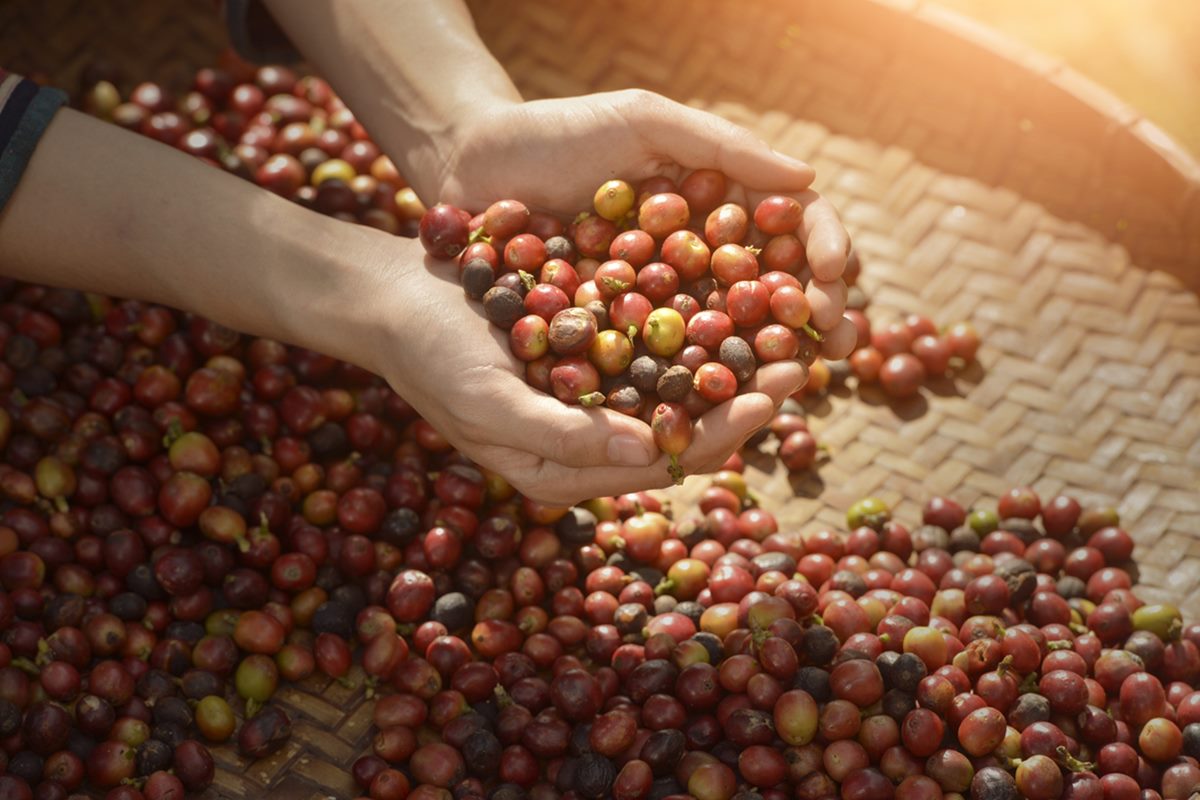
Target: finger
{"x":778,"y":380}
{"x":697,"y":139}
{"x":715,"y":435}
{"x":574,"y":436}
{"x":724,"y":429}
{"x":840,"y":341}
{"x":826,"y":242}
{"x":828,"y":301}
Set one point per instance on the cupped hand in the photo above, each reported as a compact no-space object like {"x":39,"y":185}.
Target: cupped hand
{"x":456,"y":369}
{"x":552,"y":154}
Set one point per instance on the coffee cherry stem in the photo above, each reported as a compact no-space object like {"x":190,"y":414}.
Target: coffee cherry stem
{"x":1070,"y":762}
{"x":813,"y":333}
{"x":26,"y":666}
{"x":174,"y":431}
{"x":675,"y":470}
{"x":591,"y":399}
{"x":1004,"y":666}
{"x":526,"y":279}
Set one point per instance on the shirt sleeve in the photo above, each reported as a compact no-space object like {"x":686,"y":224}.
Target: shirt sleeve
{"x":255,"y":35}
{"x":25,"y":112}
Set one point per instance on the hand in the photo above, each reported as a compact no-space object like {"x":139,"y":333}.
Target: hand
{"x":456,"y":369}
{"x":552,"y":154}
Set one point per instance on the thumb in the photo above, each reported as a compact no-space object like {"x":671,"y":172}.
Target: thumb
{"x":723,"y":429}
{"x":697,"y":139}
{"x":574,"y":436}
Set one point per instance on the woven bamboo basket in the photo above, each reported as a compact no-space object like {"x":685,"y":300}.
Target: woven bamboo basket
{"x":980,"y":181}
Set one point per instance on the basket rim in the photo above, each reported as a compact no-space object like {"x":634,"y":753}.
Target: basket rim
{"x":1136,"y":186}
{"x":1088,"y":92}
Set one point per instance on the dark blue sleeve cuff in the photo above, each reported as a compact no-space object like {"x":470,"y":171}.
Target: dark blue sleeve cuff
{"x":255,"y":35}
{"x":24,"y":139}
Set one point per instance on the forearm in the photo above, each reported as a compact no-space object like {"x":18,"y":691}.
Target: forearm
{"x":413,"y":71}
{"x":103,"y":210}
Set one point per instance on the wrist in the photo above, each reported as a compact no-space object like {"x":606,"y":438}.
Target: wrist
{"x":414,"y":72}
{"x":430,"y":160}
{"x":333,"y":284}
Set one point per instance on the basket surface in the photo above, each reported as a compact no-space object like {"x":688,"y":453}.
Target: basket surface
{"x":953,"y":167}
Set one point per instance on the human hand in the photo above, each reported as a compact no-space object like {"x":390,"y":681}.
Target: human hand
{"x":552,"y":154}
{"x":441,"y":354}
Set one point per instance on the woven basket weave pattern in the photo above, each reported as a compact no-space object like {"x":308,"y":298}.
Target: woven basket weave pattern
{"x":954,"y":170}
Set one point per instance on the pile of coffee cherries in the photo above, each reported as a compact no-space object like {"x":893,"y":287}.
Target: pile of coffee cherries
{"x":288,"y":133}
{"x":982,"y":654}
{"x":901,"y":356}
{"x":660,"y":305}
{"x":190,"y":518}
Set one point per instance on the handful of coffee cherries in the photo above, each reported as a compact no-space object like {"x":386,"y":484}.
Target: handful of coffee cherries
{"x":660,"y":303}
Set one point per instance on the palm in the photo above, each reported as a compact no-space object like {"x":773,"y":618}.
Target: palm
{"x":460,"y":382}
{"x":476,"y":395}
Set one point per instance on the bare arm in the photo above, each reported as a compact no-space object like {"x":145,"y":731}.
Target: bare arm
{"x":104,"y":210}
{"x":414,"y":72}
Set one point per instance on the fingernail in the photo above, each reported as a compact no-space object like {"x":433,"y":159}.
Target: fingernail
{"x":629,"y":451}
